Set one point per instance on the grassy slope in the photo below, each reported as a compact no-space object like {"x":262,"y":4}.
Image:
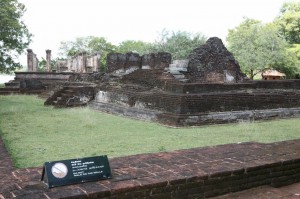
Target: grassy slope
{"x":35,"y":134}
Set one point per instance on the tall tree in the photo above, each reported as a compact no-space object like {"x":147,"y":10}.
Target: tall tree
{"x":139,"y":47}
{"x":257,"y":46}
{"x":14,"y":35}
{"x":289,"y":26}
{"x":180,"y":44}
{"x":289,"y":21}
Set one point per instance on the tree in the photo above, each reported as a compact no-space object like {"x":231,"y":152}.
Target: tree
{"x":180,"y":44}
{"x":289,"y":26}
{"x":43,"y":63}
{"x":289,"y":22}
{"x":90,"y":44}
{"x":257,"y":46}
{"x":139,"y":47}
{"x":14,"y":35}
{"x":291,"y":63}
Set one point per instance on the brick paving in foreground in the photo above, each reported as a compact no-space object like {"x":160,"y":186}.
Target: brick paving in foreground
{"x":266,"y":192}
{"x":191,"y":173}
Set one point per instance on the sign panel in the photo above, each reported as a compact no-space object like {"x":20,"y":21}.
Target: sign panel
{"x":74,"y":171}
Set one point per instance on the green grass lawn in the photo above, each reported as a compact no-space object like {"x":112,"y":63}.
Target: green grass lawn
{"x":34,"y":134}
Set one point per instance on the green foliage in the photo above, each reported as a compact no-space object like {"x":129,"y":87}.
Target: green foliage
{"x":180,"y":44}
{"x":258,"y":47}
{"x":289,"y":22}
{"x":14,"y":35}
{"x":43,"y":63}
{"x":291,"y":63}
{"x":139,"y":47}
{"x":34,"y":133}
{"x":289,"y":26}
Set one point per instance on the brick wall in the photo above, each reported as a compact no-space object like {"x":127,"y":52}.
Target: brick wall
{"x":183,"y":174}
{"x":191,"y":104}
{"x":211,"y":87}
{"x":213,"y":102}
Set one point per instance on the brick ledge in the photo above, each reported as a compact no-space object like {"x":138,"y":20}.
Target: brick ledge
{"x":191,"y":173}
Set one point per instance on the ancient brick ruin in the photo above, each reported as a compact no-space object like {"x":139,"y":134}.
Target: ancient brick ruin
{"x":212,"y":62}
{"x":32,"y":61}
{"x":127,"y":63}
{"x":206,"y":88}
{"x":48,"y":60}
{"x":80,"y":63}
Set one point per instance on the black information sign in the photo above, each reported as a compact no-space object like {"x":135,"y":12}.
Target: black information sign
{"x":74,"y":171}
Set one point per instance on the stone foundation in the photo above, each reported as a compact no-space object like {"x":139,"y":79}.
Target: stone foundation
{"x":199,"y":104}
{"x":227,"y":117}
{"x":43,"y":75}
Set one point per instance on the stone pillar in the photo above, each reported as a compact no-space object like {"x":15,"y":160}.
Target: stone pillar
{"x":97,"y":61}
{"x":29,"y":60}
{"x":83,"y":66}
{"x":48,"y":59}
{"x":35,"y":63}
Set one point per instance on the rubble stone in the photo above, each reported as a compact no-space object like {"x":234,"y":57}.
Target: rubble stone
{"x":119,"y":61}
{"x":212,"y":62}
{"x":158,"y":60}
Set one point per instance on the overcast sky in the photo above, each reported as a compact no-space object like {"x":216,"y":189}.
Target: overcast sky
{"x":53,"y":21}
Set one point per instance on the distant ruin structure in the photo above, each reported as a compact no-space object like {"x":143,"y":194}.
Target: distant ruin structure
{"x":48,"y":60}
{"x":126,"y":63}
{"x":32,"y":61}
{"x":80,"y":63}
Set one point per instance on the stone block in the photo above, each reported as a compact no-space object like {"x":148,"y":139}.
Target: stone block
{"x":121,"y":62}
{"x":158,"y":60}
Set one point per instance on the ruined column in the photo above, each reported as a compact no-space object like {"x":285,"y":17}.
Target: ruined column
{"x":35,"y":63}
{"x":83,"y":66}
{"x":48,"y":59}
{"x":29,"y":60}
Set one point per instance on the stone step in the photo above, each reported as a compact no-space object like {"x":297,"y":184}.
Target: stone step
{"x":175,"y":72}
{"x":76,"y":104}
{"x":9,"y":89}
{"x":184,"y":80}
{"x":12,"y":85}
{"x":179,"y":76}
{"x":69,"y":91}
{"x":67,"y":95}
{"x":9,"y":92}
{"x":32,"y":92}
